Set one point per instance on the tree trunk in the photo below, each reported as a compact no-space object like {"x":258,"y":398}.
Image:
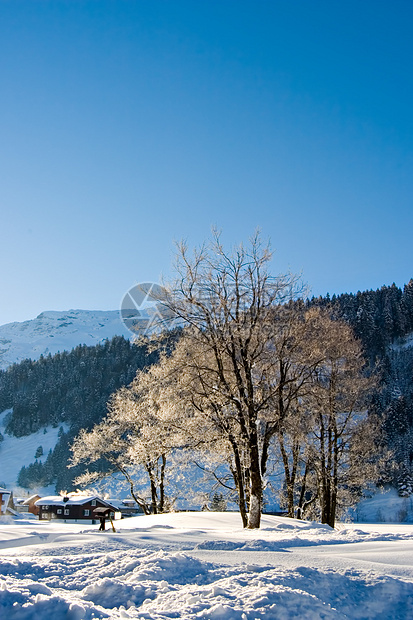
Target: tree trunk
{"x":154,"y":495}
{"x":254,"y":515}
{"x":325,"y":499}
{"x":255,"y":503}
{"x":162,"y":484}
{"x":239,"y":482}
{"x":288,"y":479}
{"x":335,"y":480}
{"x":301,"y":501}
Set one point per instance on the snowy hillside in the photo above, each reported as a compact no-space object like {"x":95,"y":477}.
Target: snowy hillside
{"x":205,"y":566}
{"x":52,"y":331}
{"x":384,"y":507}
{"x":18,"y":451}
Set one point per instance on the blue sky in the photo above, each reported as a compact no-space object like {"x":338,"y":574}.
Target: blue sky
{"x":128,"y":124}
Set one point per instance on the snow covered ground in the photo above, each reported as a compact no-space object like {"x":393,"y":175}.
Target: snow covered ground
{"x":384,"y":506}
{"x":204,"y":565}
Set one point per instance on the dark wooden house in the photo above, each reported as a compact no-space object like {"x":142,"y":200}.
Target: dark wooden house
{"x":73,"y":508}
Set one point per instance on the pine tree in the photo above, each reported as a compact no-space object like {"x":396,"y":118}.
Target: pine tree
{"x":404,"y":482}
{"x":218,"y":503}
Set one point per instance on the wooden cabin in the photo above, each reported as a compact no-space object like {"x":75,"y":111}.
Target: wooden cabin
{"x":27,"y":504}
{"x":73,"y":508}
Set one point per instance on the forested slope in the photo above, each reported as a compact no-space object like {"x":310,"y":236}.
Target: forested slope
{"x":383,"y":321}
{"x":70,"y":387}
{"x":379,"y":318}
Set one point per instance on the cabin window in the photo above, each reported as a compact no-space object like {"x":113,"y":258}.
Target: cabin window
{"x":45,"y":507}
{"x":93,"y":502}
{"x":67,"y":511}
{"x":59,"y":511}
{"x":86,"y":513}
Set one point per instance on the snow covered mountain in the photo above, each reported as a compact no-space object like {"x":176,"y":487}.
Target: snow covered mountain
{"x":54,"y":331}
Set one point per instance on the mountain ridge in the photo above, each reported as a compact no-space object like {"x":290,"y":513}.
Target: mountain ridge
{"x":53,"y":331}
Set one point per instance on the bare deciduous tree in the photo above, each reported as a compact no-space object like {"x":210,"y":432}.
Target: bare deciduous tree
{"x":345,"y":438}
{"x":228,"y":358}
{"x":136,"y":432}
{"x":251,"y":364}
{"x":328,"y":442}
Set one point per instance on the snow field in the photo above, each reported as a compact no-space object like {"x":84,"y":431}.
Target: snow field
{"x":204,"y":565}
{"x":18,"y":451}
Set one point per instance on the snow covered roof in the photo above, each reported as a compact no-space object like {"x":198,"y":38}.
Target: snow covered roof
{"x":78,"y":500}
{"x":55,"y":500}
{"x":122,"y":503}
{"x":30,"y":500}
{"x":26,"y":501}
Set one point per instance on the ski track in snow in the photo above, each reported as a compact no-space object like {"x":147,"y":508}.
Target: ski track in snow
{"x":204,"y":565}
